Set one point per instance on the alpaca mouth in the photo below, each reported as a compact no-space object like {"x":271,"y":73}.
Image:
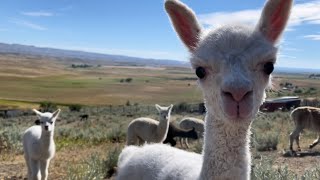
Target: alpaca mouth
{"x":237,"y":111}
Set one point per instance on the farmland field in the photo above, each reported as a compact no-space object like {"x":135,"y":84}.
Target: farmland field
{"x":114,"y":95}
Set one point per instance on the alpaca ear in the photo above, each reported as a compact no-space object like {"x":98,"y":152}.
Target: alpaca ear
{"x":38,"y":113}
{"x":274,"y":18}
{"x":184,"y":22}
{"x":170,"y":107}
{"x":56,"y":114}
{"x":158,"y":107}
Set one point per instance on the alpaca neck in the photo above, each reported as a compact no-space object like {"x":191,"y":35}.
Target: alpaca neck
{"x":46,"y":140}
{"x":226,"y":152}
{"x":162,"y":128}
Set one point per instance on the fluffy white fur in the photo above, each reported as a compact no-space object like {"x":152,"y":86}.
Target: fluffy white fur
{"x":234,"y":63}
{"x":148,"y":130}
{"x":189,"y":123}
{"x":38,"y":145}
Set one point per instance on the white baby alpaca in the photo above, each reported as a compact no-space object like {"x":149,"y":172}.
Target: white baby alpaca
{"x":233,"y":64}
{"x":38,"y":145}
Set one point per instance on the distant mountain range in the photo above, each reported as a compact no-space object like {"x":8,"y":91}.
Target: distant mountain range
{"x":87,"y":56}
{"x":72,"y":56}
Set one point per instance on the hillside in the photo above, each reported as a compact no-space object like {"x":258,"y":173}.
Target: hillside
{"x":88,"y":57}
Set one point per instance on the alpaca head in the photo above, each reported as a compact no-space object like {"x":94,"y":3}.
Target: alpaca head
{"x":164,"y":112}
{"x":233,"y":63}
{"x":47,"y":120}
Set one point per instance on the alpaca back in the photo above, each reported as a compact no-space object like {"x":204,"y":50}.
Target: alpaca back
{"x":307,"y":118}
{"x":145,"y":129}
{"x":189,"y":123}
{"x":140,"y":163}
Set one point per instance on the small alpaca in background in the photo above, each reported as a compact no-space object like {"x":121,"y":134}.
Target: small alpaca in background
{"x":38,"y":145}
{"x":305,"y":117}
{"x":148,"y":130}
{"x":189,"y":123}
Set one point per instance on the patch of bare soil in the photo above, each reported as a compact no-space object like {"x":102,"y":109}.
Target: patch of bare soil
{"x":299,"y":163}
{"x":15,"y":167}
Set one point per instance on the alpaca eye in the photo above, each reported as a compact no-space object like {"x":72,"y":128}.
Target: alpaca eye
{"x":51,"y":122}
{"x":200,"y":72}
{"x":268,"y":68}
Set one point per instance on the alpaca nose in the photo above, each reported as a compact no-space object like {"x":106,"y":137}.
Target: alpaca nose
{"x":237,"y":91}
{"x":46,"y":128}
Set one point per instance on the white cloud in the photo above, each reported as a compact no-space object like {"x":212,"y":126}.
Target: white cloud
{"x":308,"y":12}
{"x":28,"y":24}
{"x":38,"y":13}
{"x":315,"y":37}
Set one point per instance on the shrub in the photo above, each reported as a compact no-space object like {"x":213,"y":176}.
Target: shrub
{"x":128,"y":80}
{"x":47,"y":106}
{"x":75,"y":107}
{"x":298,"y":91}
{"x":181,"y":107}
{"x":128,"y":103}
{"x":264,"y":170}
{"x":95,"y":167}
{"x":10,"y":140}
{"x":266,"y":141}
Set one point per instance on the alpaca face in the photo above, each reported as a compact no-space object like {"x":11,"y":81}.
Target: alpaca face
{"x":233,"y":62}
{"x":47,"y":120}
{"x":164,"y":112}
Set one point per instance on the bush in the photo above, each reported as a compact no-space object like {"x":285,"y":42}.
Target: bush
{"x":263,"y":170}
{"x":265,"y":141}
{"x":96,"y":167}
{"x":298,"y":91}
{"x":47,"y":106}
{"x":10,"y":140}
{"x":181,"y":107}
{"x":75,"y":107}
{"x":128,"y":80}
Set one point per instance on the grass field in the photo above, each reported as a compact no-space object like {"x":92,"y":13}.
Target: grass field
{"x":98,"y":85}
{"x":89,"y":149}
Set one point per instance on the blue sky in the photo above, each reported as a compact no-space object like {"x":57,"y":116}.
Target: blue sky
{"x":141,"y":28}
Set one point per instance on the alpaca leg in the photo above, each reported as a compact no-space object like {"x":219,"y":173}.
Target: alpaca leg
{"x":293,"y":136}
{"x":186,"y":141}
{"x":181,"y":142}
{"x":297,"y":142}
{"x":315,"y":142}
{"x":132,"y":140}
{"x":44,"y":165}
{"x":26,"y":157}
{"x":35,"y":171}
{"x":140,"y":141}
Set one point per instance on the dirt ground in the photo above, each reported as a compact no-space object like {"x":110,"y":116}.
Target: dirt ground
{"x":14,"y":167}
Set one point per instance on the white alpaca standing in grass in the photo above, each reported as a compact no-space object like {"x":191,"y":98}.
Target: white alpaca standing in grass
{"x":233,"y":64}
{"x":148,"y":130}
{"x":189,"y":123}
{"x":38,"y":145}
